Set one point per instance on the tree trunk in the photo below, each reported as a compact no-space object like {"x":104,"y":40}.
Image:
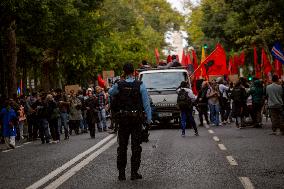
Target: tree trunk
{"x":24,"y":78}
{"x":45,"y":77}
{"x":11,"y":58}
{"x":3,"y":92}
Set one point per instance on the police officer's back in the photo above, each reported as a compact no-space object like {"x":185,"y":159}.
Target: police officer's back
{"x":134,"y":103}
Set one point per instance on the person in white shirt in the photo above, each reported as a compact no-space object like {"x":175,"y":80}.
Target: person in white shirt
{"x":186,"y":111}
{"x":224,"y":102}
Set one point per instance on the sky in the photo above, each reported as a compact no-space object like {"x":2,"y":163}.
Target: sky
{"x":178,"y":4}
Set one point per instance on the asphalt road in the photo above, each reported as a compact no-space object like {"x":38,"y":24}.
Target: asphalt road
{"x":221,"y":157}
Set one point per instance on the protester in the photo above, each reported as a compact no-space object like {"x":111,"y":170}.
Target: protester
{"x":203,"y":103}
{"x":173,"y":63}
{"x":64,"y":108}
{"x":239,"y":98}
{"x":75,"y":113}
{"x":92,"y":112}
{"x":185,"y":102}
{"x":8,"y":119}
{"x":22,"y":119}
{"x":145,"y":65}
{"x":225,"y":107}
{"x":101,"y":109}
{"x":83,"y":122}
{"x":213,"y":101}
{"x":53,"y":118}
{"x":41,"y":115}
{"x":31,"y":116}
{"x":274,"y":94}
{"x":257,"y":95}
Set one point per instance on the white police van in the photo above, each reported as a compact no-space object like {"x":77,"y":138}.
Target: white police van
{"x":161,"y":85}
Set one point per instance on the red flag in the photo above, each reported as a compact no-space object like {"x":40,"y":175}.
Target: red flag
{"x":242,"y":58}
{"x":278,"y":68}
{"x":230,"y":66}
{"x":203,"y":71}
{"x":215,"y":63}
{"x":169,"y":58}
{"x":188,"y":58}
{"x":101,"y":82}
{"x":265,"y":63}
{"x":256,"y":65}
{"x":232,"y":69}
{"x":157,"y":55}
{"x":235,"y":65}
{"x":183,"y":59}
{"x":193,"y":87}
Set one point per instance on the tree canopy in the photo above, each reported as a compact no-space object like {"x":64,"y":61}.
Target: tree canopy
{"x":237,"y":24}
{"x":71,"y":41}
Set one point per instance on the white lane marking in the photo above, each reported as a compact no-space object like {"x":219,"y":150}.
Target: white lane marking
{"x":57,"y":171}
{"x":19,"y":146}
{"x":246,"y":182}
{"x":211,"y":131}
{"x":222,"y":147}
{"x":79,"y":166}
{"x":231,"y":160}
{"x":27,"y":142}
{"x":7,"y":150}
{"x":215,"y":138}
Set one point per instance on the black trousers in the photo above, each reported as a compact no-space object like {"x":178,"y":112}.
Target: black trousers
{"x":92,"y":127}
{"x":225,"y":110}
{"x":54,"y":129}
{"x":203,"y":110}
{"x":256,"y":113}
{"x":33,"y":127}
{"x":127,"y":128}
{"x":74,"y":125}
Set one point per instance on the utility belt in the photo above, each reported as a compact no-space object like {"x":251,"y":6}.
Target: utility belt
{"x":136,"y":115}
{"x":132,"y":113}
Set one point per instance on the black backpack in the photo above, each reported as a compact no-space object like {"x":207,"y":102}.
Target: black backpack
{"x":183,"y":100}
{"x":129,"y":97}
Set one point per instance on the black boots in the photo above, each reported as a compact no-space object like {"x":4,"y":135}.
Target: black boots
{"x":135,"y":176}
{"x":121,"y":175}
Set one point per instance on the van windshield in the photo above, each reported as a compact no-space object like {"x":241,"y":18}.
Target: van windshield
{"x":163,"y":80}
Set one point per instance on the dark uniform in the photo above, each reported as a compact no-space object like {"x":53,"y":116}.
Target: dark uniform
{"x":130,"y":123}
{"x":133,"y":104}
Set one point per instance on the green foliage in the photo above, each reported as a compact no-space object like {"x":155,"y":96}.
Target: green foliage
{"x":80,"y":38}
{"x":238,"y":24}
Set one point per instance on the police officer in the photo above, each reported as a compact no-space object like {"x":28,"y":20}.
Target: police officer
{"x":134,"y":102}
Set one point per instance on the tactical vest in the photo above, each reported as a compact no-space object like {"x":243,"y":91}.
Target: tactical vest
{"x":129,"y":96}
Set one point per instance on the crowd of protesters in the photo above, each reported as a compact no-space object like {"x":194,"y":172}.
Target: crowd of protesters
{"x":49,"y":115}
{"x":242,"y":101}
